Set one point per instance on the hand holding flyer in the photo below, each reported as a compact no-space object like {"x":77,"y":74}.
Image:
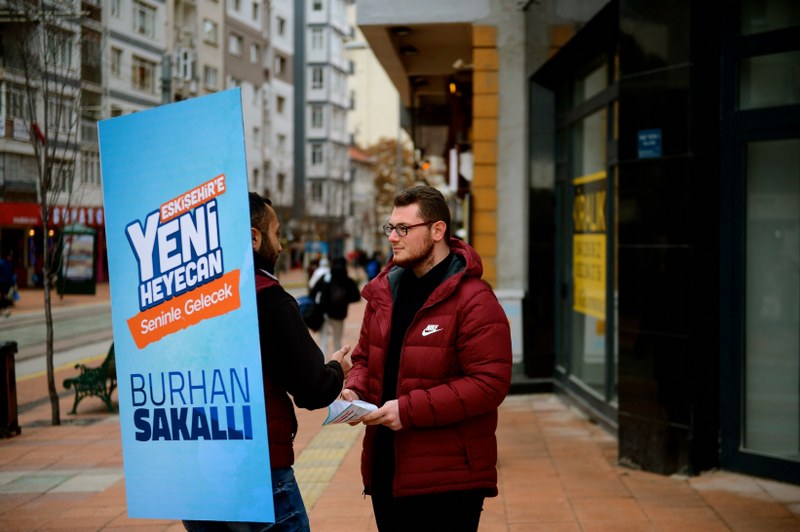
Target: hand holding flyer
{"x":341,"y":411}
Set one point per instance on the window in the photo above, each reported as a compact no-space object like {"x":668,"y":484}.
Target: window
{"x":61,"y":44}
{"x":316,"y":39}
{"x":184,"y":65}
{"x":116,"y":8}
{"x":235,"y":44}
{"x":760,"y":337}
{"x":760,"y":16}
{"x":144,"y":19}
{"x":280,"y":65}
{"x":316,"y":154}
{"x":256,"y":10}
{"x":280,"y":104}
{"x":116,"y":62}
{"x":317,"y":79}
{"x":316,"y":116}
{"x":16,"y":99}
{"x":115,"y":111}
{"x":90,"y":167}
{"x":64,"y":175}
{"x":91,"y":55}
{"x":281,"y":182}
{"x":255,"y":54}
{"x":210,"y":31}
{"x":210,"y":78}
{"x":235,"y":5}
{"x":772,"y":298}
{"x":143,"y":74}
{"x":89,"y":127}
{"x":316,"y":191}
{"x":60,"y":114}
{"x":281,"y":26}
{"x":281,"y":142}
{"x":316,"y":5}
{"x":256,"y":135}
{"x":769,"y":80}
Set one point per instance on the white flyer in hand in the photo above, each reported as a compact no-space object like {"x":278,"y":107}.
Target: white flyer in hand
{"x":341,"y":411}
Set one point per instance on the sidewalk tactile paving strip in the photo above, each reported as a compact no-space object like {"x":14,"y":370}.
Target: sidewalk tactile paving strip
{"x":321,"y":458}
{"x":58,"y":481}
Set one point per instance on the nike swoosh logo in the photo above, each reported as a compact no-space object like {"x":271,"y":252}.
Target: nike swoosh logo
{"x":427,"y":332}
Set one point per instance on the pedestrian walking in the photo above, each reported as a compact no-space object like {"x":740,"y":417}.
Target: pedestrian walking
{"x":293,"y":367}
{"x":435,"y":354}
{"x":322,"y":270}
{"x":373,"y":265}
{"x":8,"y":283}
{"x":336,"y":291}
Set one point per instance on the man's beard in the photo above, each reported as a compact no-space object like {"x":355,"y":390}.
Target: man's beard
{"x":267,"y":253}
{"x":421,"y":257}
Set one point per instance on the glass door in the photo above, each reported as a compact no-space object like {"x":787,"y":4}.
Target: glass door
{"x":760,"y":341}
{"x":771,"y":420}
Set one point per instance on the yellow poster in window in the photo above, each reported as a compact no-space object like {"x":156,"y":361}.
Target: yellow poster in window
{"x":589,"y":274}
{"x":589,"y":245}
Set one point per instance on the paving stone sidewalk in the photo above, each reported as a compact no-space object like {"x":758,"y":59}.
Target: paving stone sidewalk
{"x":557,"y":472}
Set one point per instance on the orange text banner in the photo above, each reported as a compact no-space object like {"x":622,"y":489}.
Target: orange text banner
{"x":213,"y":299}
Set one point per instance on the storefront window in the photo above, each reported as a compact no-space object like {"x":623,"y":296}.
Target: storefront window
{"x":759,"y":16}
{"x":772,"y":299}
{"x":591,"y":85}
{"x":769,"y":80}
{"x":588,"y":251}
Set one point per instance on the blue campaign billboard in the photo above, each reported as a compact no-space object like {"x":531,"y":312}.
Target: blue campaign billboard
{"x":191,"y":399}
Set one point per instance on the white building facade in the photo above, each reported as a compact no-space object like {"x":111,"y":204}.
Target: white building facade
{"x":327,"y":176}
{"x":281,"y":103}
{"x":373,"y":99}
{"x":245,"y":67}
{"x":135,"y":49}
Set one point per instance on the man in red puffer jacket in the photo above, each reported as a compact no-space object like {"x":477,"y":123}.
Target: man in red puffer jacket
{"x":435,"y":354}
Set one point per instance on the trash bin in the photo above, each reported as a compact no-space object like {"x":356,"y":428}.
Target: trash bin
{"x":9,"y":418}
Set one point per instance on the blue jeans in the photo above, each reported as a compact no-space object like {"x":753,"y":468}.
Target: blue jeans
{"x":290,"y":512}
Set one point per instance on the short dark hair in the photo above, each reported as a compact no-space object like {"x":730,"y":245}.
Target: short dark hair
{"x":259,"y":214}
{"x":431,"y":203}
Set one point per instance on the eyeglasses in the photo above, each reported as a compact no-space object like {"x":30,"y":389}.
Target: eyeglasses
{"x":402,"y":229}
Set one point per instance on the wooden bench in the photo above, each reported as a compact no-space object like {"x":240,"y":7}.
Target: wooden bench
{"x":99,"y":382}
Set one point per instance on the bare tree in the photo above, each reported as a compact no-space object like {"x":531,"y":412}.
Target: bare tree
{"x":384,"y":153}
{"x":40,"y":50}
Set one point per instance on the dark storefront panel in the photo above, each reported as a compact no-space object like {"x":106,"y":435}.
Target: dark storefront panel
{"x":668,"y":237}
{"x":654,"y":374}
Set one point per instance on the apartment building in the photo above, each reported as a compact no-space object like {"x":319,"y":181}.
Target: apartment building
{"x":374,"y":103}
{"x":135,"y":49}
{"x":362,"y":224}
{"x":67,"y":100}
{"x":87,"y":170}
{"x":245,"y":67}
{"x":130,"y":55}
{"x":195,"y":50}
{"x":210,"y":47}
{"x":280,"y":179}
{"x":327,"y":175}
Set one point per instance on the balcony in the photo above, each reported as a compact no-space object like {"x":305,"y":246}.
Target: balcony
{"x":93,"y":10}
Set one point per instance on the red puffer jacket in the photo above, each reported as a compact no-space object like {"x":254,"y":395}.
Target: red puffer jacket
{"x":455,"y":370}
